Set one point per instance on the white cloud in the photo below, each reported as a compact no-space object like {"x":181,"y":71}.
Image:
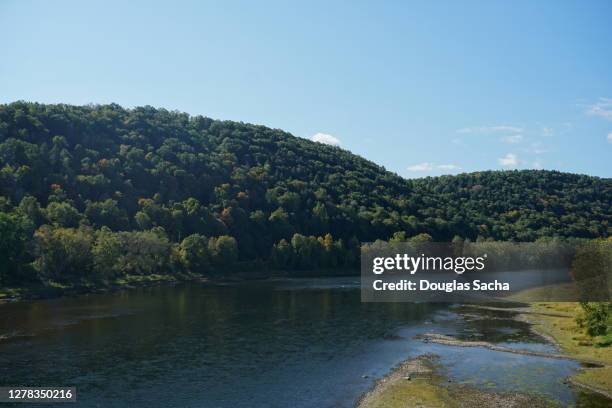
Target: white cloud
{"x":602,"y":108}
{"x":325,"y":139}
{"x":448,"y":167}
{"x":421,"y":167}
{"x":609,"y":137}
{"x":512,"y":139}
{"x":508,"y":160}
{"x":491,"y":129}
{"x":537,"y":164}
{"x":426,"y":166}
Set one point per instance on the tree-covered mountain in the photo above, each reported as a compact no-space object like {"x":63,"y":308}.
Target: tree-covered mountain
{"x":209,"y":193}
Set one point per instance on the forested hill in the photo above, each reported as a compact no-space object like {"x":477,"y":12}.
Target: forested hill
{"x":235,"y":190}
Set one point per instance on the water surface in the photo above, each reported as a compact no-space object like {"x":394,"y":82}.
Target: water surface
{"x":289,"y":343}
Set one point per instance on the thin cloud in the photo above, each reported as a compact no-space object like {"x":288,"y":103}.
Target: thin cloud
{"x":508,"y":160}
{"x":512,"y":139}
{"x":601,"y":108}
{"x":490,"y":129}
{"x":325,"y":139}
{"x":448,"y":167}
{"x":609,"y":137}
{"x":421,"y":167}
{"x":426,"y":166}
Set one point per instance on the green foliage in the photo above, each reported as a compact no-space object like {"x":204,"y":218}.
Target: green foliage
{"x":64,"y":254}
{"x":424,"y":237}
{"x":106,"y":214}
{"x":308,"y":253}
{"x":597,"y":318}
{"x":224,"y":251}
{"x":29,"y":208}
{"x":106,"y":252}
{"x":73,"y":256}
{"x":282,"y":254}
{"x":103,"y":178}
{"x":144,"y":253}
{"x":13,"y":239}
{"x":63,"y":215}
{"x":194,"y":253}
{"x":592,"y":270}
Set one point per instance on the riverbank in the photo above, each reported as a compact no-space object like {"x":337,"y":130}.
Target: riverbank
{"x":51,"y":291}
{"x":55,"y":290}
{"x":557,"y":323}
{"x":418,"y":382}
{"x":451,"y":341}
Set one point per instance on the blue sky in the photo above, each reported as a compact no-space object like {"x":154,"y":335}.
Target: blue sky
{"x":423,"y":88}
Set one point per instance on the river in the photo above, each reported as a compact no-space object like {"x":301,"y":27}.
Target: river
{"x":283,"y":343}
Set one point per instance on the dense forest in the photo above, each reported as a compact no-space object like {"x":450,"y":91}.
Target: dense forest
{"x":96,"y":193}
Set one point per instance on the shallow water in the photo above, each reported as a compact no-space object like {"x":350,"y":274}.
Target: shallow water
{"x":293,"y":343}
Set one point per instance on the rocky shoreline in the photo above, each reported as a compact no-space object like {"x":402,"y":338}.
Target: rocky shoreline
{"x":418,"y":382}
{"x":451,"y":341}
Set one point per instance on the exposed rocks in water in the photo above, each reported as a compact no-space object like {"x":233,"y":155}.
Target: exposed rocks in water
{"x":434,"y":390}
{"x":451,"y":341}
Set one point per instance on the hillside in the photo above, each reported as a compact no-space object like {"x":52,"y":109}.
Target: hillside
{"x":229,"y":191}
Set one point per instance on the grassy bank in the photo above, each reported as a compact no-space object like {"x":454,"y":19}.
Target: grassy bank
{"x":557,"y":321}
{"x":421,"y":382}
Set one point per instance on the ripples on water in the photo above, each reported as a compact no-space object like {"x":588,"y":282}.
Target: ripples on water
{"x":293,"y":343}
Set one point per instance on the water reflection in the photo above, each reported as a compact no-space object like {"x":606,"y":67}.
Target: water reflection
{"x":298,"y":343}
{"x":228,"y":345}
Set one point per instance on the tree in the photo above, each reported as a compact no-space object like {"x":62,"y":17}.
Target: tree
{"x":279,"y":223}
{"x":29,"y":207}
{"x":399,"y":236}
{"x":63,"y":215}
{"x":320,"y":218}
{"x":596,"y":318}
{"x":424,"y":237}
{"x":106,"y":213}
{"x":144,"y":253}
{"x":194,"y":253}
{"x":224,"y":251}
{"x":282,"y":255}
{"x":64,"y":254}
{"x":12,"y":248}
{"x":145,"y":168}
{"x":106,"y":251}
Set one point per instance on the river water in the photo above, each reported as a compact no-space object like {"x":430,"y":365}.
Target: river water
{"x":285,"y":343}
